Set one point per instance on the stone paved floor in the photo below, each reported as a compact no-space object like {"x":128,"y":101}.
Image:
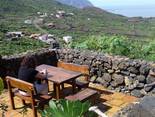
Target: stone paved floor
{"x":109,"y":103}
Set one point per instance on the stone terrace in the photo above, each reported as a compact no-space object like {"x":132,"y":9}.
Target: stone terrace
{"x":109,"y":102}
{"x":116,"y":73}
{"x":117,"y":78}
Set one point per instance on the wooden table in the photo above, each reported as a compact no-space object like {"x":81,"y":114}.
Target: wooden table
{"x":59,"y":76}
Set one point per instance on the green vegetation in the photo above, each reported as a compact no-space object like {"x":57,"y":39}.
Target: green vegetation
{"x":117,"y":45}
{"x":66,"y":108}
{"x":19,"y":46}
{"x":84,"y":22}
{"x":1,"y":85}
{"x":136,"y":40}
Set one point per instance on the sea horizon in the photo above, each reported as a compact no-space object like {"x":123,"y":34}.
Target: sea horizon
{"x":132,"y":11}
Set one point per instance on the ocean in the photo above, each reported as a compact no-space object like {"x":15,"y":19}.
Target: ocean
{"x":132,"y":11}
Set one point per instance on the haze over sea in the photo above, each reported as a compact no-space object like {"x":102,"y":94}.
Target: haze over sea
{"x":130,"y":8}
{"x":132,"y":11}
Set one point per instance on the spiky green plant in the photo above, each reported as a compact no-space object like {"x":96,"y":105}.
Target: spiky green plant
{"x":66,"y":108}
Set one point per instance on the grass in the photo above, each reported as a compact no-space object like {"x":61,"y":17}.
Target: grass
{"x":20,"y":46}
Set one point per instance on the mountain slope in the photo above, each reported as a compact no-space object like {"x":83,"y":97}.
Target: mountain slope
{"x":77,"y":3}
{"x":14,"y":6}
{"x":29,"y":6}
{"x":83,"y":22}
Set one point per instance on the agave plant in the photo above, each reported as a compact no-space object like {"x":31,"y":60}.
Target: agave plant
{"x":1,"y":85}
{"x":66,"y":108}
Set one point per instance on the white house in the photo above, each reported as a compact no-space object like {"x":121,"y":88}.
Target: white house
{"x":58,"y":16}
{"x":43,"y":37}
{"x":52,"y":14}
{"x":67,"y":39}
{"x":43,"y":15}
{"x":71,"y":14}
{"x":39,"y":13}
{"x":47,"y":38}
{"x":14,"y":34}
{"x":28,"y":21}
{"x":61,"y":12}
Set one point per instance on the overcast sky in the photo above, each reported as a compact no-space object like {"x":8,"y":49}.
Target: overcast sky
{"x":102,"y":3}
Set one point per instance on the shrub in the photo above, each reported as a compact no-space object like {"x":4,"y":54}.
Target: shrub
{"x":1,"y":85}
{"x":117,"y":45}
{"x":66,"y":108}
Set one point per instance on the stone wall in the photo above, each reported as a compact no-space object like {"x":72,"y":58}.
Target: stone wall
{"x":9,"y":65}
{"x":115,"y":73}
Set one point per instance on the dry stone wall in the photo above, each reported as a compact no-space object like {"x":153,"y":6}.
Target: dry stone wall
{"x":115,"y":73}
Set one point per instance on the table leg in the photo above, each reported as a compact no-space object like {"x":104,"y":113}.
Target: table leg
{"x":57,"y":88}
{"x":73,"y":86}
{"x":54,"y":88}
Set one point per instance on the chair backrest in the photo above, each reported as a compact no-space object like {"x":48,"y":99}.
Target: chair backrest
{"x":74,"y":67}
{"x":20,"y":84}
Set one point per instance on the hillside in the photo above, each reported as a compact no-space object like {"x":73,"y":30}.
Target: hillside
{"x":77,"y":3}
{"x":91,"y":28}
{"x":28,"y":6}
{"x":83,"y":22}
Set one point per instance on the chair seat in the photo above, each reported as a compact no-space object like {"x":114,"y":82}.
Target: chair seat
{"x":43,"y":97}
{"x":38,"y":98}
{"x":16,"y":93}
